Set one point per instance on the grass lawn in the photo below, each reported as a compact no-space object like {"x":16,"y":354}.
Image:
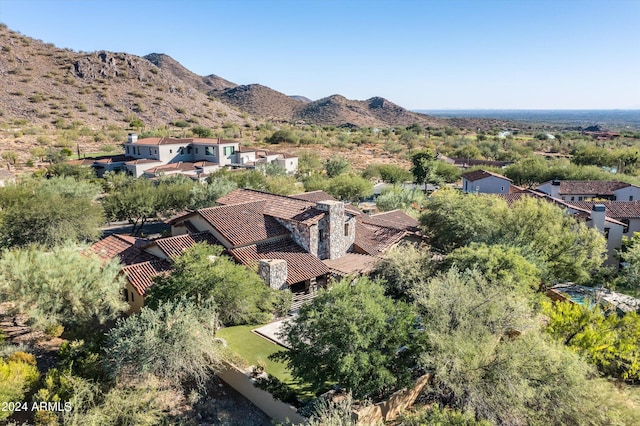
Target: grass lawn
{"x":252,"y":348}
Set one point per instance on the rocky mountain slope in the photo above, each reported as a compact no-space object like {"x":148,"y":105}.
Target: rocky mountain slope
{"x":47,"y":85}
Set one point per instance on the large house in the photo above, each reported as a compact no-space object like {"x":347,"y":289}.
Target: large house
{"x":587,"y":190}
{"x":193,"y":157}
{"x":295,"y":242}
{"x":484,"y":182}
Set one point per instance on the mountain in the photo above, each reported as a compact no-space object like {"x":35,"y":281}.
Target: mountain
{"x":48,"y":85}
{"x":261,"y":101}
{"x":204,"y":84}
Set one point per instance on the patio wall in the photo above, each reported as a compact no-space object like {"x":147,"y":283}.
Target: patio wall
{"x":273,"y":408}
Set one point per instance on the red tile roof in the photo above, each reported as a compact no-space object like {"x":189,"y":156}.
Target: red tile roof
{"x":352,"y":263}
{"x":279,"y":206}
{"x":173,"y":247}
{"x":313,"y":196}
{"x":301,"y":265}
{"x":591,"y":187}
{"x":615,"y":209}
{"x":122,"y":246}
{"x":373,"y":239}
{"x":394,"y":219}
{"x":141,"y":275}
{"x":244,"y":223}
{"x":482,"y":174}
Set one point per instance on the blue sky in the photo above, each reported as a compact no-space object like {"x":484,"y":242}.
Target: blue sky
{"x":420,"y":54}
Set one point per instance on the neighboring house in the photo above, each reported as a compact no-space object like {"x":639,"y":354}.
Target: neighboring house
{"x":626,"y":212}
{"x":484,"y":182}
{"x":192,"y":157}
{"x":587,"y":190}
{"x":293,"y":242}
{"x":593,"y":214}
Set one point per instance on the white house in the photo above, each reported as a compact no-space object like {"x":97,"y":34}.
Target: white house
{"x":586,"y":190}
{"x":484,"y":182}
{"x":193,"y":157}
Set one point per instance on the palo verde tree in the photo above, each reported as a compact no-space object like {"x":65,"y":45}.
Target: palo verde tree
{"x":62,"y":286}
{"x":49,"y":212}
{"x":488,"y":357}
{"x":357,"y":337}
{"x":175,"y":341}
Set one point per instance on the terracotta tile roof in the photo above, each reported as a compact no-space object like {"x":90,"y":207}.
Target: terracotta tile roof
{"x":591,"y":187}
{"x":123,"y":246}
{"x":301,"y":265}
{"x":313,"y":196}
{"x":141,"y":275}
{"x":395,"y":219}
{"x":244,"y":223}
{"x":142,"y":161}
{"x":374,"y":239}
{"x":173,"y":247}
{"x":615,"y":209}
{"x":182,"y":166}
{"x":279,"y":206}
{"x":482,"y":174}
{"x":108,"y":159}
{"x":352,"y":263}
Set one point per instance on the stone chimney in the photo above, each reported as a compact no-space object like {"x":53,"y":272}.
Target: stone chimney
{"x":598,"y":215}
{"x":132,"y":138}
{"x":332,"y":242}
{"x":555,"y":188}
{"x":273,"y":272}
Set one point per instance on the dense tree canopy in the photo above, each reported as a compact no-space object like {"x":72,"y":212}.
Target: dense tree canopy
{"x":203,"y":273}
{"x":609,"y":341}
{"x":176,"y":341}
{"x":348,"y":187}
{"x":62,"y":286}
{"x":423,"y":165}
{"x":561,"y":247}
{"x":49,"y":212}
{"x":355,"y":336}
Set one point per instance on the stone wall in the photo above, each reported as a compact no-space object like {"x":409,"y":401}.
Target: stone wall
{"x":391,"y":407}
{"x":334,"y":244}
{"x":273,"y":272}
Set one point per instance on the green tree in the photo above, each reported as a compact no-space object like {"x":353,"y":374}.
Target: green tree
{"x":283,"y":136}
{"x":410,"y":201}
{"x":468,"y":152}
{"x":75,"y":171}
{"x":202,"y":272}
{"x":349,"y":187}
{"x":336,"y":165}
{"x":488,"y":357}
{"x":11,"y":157}
{"x":500,"y":264}
{"x":403,"y":269}
{"x":62,"y":286}
{"x":207,"y":194}
{"x":453,"y":219}
{"x":423,"y":165}
{"x":17,"y":377}
{"x":393,"y":174}
{"x":610,"y":342}
{"x":283,"y":185}
{"x":175,"y":342}
{"x":315,"y":182}
{"x":49,"y":212}
{"x":354,"y":335}
{"x":446,"y":172}
{"x":202,"y":132}
{"x":135,"y":203}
